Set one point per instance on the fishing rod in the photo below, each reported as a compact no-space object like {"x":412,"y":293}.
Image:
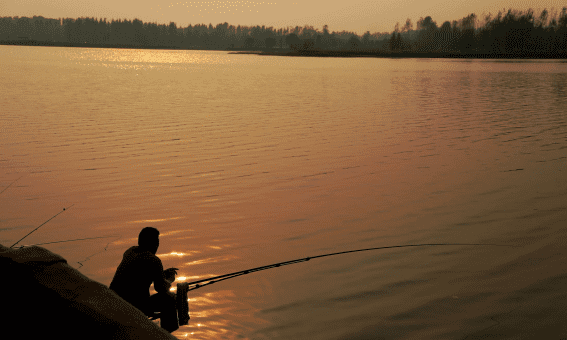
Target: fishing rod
{"x":205,"y":282}
{"x":78,"y":239}
{"x":42,"y":225}
{"x":6,"y":188}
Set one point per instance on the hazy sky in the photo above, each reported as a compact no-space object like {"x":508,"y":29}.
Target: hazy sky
{"x":352,"y":15}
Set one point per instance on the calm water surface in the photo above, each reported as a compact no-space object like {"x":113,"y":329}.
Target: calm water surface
{"x":242,"y":161}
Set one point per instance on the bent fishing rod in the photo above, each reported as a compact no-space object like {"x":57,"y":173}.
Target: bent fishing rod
{"x":205,"y":282}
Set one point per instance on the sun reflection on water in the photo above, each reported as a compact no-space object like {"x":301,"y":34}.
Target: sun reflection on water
{"x":157,"y":220}
{"x":211,"y":260}
{"x":209,"y":313}
{"x":179,"y":254}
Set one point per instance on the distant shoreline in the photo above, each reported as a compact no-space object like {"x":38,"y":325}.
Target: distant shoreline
{"x":87,"y":45}
{"x":309,"y":53}
{"x":440,"y":55}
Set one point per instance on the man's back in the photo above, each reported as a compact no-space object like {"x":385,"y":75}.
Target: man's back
{"x":134,"y":276}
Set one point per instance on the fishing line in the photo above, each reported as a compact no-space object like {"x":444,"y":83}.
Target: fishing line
{"x":42,"y":225}
{"x":105,"y":248}
{"x":201,"y":283}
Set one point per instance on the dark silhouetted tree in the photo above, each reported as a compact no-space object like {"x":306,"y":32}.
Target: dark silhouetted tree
{"x":467,"y":41}
{"x":249,"y":43}
{"x":426,"y":41}
{"x":293,"y":41}
{"x":353,"y":43}
{"x":365,"y":42}
{"x":270,"y":43}
{"x":395,"y":41}
{"x":24,"y":28}
{"x":446,"y":37}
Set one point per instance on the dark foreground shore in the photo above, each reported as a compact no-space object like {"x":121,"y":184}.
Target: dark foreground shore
{"x":312,"y":53}
{"x":54,"y":293}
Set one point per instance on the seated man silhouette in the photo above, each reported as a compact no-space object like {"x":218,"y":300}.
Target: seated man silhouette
{"x":139,"y":268}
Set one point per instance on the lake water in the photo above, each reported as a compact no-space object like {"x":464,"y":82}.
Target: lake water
{"x":243,"y":160}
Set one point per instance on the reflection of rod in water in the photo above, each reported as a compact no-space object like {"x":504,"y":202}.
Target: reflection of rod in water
{"x":211,"y":280}
{"x":41,"y":225}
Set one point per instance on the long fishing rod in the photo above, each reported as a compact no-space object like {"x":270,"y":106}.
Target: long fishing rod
{"x":42,"y":225}
{"x":77,"y":239}
{"x":6,"y":188}
{"x":205,"y":282}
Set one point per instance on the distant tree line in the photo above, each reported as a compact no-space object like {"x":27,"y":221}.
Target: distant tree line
{"x":135,"y":33}
{"x":509,"y":32}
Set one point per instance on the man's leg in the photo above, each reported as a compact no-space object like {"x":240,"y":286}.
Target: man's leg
{"x":165,"y":304}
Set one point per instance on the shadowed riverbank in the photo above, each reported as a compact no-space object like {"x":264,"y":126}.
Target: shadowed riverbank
{"x":362,"y":54}
{"x":91,"y":45}
{"x":311,"y":53}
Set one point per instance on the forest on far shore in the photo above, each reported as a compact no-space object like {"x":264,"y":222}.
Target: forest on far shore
{"x":511,"y":32}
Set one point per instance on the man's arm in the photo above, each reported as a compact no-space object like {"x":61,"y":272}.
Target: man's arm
{"x":161,"y":285}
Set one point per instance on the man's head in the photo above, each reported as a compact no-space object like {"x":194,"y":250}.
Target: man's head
{"x":149,"y":239}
